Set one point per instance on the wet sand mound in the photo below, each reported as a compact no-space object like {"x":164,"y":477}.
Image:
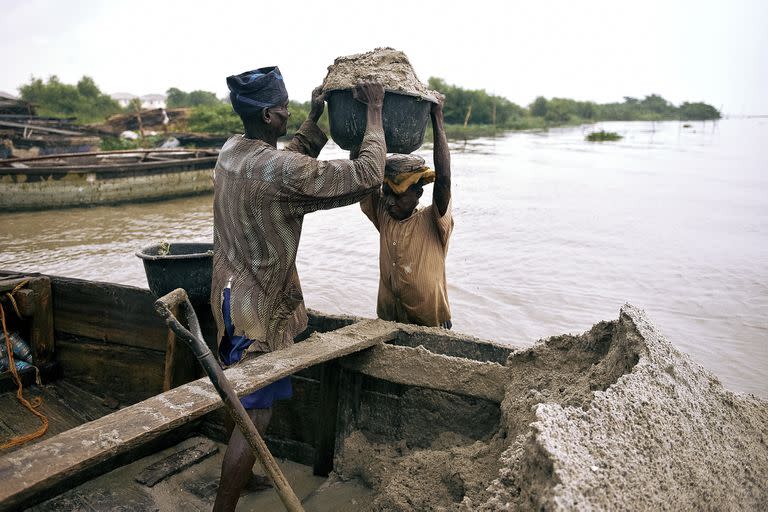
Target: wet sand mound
{"x":614,"y":418}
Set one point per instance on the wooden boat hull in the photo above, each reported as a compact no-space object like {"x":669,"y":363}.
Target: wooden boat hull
{"x":109,"y":342}
{"x":422,"y":417}
{"x":50,"y":186}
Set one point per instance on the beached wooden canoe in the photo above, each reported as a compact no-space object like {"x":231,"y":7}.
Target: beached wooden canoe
{"x":112,"y":177}
{"x":400,"y":417}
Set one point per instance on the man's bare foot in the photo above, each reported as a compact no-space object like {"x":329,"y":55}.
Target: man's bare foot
{"x":257,"y":483}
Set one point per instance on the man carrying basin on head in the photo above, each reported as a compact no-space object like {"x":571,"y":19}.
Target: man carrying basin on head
{"x":413,"y":243}
{"x":261,"y":195}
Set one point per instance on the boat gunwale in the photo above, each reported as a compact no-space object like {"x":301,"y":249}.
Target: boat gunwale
{"x":106,"y":168}
{"x":113,"y":152}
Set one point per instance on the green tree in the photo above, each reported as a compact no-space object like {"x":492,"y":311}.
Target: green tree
{"x":218,"y":119}
{"x":134,"y":105}
{"x":585,"y":109}
{"x":657,"y":104}
{"x":87,"y":87}
{"x":84,"y":101}
{"x":198,"y":97}
{"x":560,"y":110}
{"x":176,"y":98}
{"x":698,"y":112}
{"x":222,"y":120}
{"x":486,"y":108}
{"x":539,"y":107}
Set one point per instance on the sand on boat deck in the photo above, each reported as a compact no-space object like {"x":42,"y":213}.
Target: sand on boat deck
{"x":616,"y":418}
{"x":194,"y":489}
{"x":612,"y":419}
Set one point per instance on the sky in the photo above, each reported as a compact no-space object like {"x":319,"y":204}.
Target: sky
{"x":716,"y":52}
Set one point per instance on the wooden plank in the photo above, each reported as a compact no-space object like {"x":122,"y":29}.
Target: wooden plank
{"x":9,"y":275}
{"x":40,"y":128}
{"x":294,"y":420}
{"x":318,"y":321}
{"x":41,"y":323}
{"x":128,"y":374}
{"x":176,"y":462}
{"x":79,"y":402}
{"x":326,"y":425}
{"x":64,"y":405}
{"x":297,"y":418}
{"x":180,"y":363}
{"x":108,"y":312}
{"x":34,"y":302}
{"x":348,"y":410}
{"x":9,"y":283}
{"x":51,"y":462}
{"x":420,"y":367}
{"x":25,"y":300}
{"x":182,"y":152}
{"x":449,"y":343}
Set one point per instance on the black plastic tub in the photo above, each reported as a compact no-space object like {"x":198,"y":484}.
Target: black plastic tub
{"x":186,"y":265}
{"x":405,"y":120}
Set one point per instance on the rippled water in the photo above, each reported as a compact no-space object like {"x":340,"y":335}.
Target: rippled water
{"x":552,"y":235}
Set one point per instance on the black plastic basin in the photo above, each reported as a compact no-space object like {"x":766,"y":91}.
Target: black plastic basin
{"x":187,"y":265}
{"x":405,"y":120}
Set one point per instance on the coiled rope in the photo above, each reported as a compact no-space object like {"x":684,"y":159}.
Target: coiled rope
{"x":37,"y":401}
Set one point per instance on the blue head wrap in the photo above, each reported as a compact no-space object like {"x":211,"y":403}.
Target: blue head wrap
{"x":254,"y":90}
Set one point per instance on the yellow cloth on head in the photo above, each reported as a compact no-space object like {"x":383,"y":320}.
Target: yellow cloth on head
{"x":399,"y":183}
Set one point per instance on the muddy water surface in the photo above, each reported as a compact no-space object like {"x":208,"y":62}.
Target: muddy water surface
{"x":552,"y":234}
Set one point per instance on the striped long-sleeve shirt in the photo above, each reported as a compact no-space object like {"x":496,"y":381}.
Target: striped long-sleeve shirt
{"x":261,"y":195}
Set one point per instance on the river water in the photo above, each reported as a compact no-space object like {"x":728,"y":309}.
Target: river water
{"x":552,"y":235}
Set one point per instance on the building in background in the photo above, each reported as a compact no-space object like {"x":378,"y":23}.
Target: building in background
{"x":148,"y":101}
{"x":123,"y":98}
{"x":153,"y":101}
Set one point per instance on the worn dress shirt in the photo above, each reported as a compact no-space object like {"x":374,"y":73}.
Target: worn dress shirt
{"x":261,"y":195}
{"x":412,"y":287}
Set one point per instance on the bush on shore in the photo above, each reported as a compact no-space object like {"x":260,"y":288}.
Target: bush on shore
{"x":602,"y":136}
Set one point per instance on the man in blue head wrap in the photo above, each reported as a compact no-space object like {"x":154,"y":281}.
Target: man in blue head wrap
{"x":252,"y":91}
{"x":261,"y":195}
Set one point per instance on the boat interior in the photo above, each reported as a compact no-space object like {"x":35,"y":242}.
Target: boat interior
{"x":134,"y":424}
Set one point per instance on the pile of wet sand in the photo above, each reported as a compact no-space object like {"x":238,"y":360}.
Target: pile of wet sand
{"x":387,"y":66}
{"x":616,"y":418}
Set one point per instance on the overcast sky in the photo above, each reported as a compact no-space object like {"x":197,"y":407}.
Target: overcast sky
{"x":709,"y":51}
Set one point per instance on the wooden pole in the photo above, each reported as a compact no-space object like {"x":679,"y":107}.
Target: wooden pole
{"x":469,"y":113}
{"x":195,"y":341}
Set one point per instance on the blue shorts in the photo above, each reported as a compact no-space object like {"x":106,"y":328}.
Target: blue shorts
{"x":231,"y":350}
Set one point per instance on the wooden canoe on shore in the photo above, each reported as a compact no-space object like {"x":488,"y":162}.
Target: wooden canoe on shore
{"x":99,"y":178}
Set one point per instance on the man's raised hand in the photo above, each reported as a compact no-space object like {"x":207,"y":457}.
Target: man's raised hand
{"x":317,"y":103}
{"x":369,"y":93}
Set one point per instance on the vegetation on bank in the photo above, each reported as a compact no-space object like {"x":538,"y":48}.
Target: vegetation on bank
{"x":176,"y":98}
{"x":116,"y":143}
{"x":602,"y":136}
{"x":221,"y":119}
{"x":468,"y":113}
{"x":85,"y":101}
